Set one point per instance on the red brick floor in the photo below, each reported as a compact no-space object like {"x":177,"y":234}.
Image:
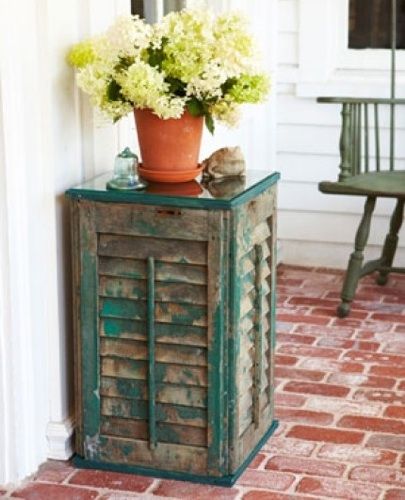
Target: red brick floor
{"x":340,"y":399}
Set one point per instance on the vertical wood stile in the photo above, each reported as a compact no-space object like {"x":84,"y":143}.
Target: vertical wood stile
{"x":366,"y":139}
{"x":354,"y":139}
{"x":151,"y":352}
{"x":359,"y":139}
{"x":345,"y":148}
{"x":377,"y":136}
{"x":89,"y":327}
{"x":393,"y":89}
{"x":235,"y":298}
{"x":258,"y":343}
{"x":217,"y":280}
{"x":273,"y":284}
{"x":77,"y":334}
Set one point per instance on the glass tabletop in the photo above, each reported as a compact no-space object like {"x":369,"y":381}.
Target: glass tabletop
{"x":219,"y":193}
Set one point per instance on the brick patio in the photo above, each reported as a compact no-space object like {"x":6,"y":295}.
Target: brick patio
{"x":340,"y":400}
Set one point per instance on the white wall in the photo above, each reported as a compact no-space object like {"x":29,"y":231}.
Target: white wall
{"x":314,"y":228}
{"x":48,"y":143}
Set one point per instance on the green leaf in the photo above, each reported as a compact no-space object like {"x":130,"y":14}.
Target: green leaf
{"x":124,"y":63}
{"x":226,"y":87}
{"x":176,"y":86}
{"x":209,"y":123}
{"x":157,"y":56}
{"x":114,"y":91}
{"x":195,"y":107}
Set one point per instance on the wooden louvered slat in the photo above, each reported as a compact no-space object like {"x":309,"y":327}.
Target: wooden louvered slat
{"x":168,"y":312}
{"x":190,"y":252}
{"x":175,"y":457}
{"x":136,"y":220}
{"x":164,"y":292}
{"x":168,"y":413}
{"x":246,"y":420}
{"x":165,"y":393}
{"x":170,"y":373}
{"x":246,"y":264}
{"x":164,"y":271}
{"x":166,"y":333}
{"x":164,"y":353}
{"x":165,"y":433}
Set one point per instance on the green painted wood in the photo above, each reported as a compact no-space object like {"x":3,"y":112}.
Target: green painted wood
{"x":183,"y":293}
{"x":377,"y":136}
{"x":235,"y":297}
{"x":178,"y":394}
{"x":345,"y":150}
{"x":165,"y":412}
{"x":391,"y":242}
{"x":167,"y":272}
{"x":382,"y":184}
{"x":89,"y":338}
{"x":366,"y":139}
{"x":227,"y":480}
{"x":166,"y":312}
{"x":393,"y":83}
{"x":356,"y":258}
{"x":77,"y":324}
{"x":217,"y":462}
{"x":203,"y":297}
{"x":165,"y":372}
{"x":174,"y":251}
{"x":356,"y":100}
{"x":258,"y":334}
{"x":151,"y":353}
{"x":165,"y":433}
{"x":165,"y":333}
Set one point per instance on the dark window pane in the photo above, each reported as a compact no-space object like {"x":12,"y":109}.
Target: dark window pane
{"x":370,"y":24}
{"x":137,"y":7}
{"x":171,"y":5}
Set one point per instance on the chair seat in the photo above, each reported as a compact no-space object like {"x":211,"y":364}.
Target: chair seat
{"x":389,"y":184}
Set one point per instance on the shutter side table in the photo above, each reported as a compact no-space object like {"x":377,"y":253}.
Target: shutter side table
{"x":174,"y":326}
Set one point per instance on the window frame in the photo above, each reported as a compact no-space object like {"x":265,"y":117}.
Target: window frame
{"x":332,"y":68}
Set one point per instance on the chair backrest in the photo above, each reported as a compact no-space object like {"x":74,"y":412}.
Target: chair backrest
{"x":361,"y":148}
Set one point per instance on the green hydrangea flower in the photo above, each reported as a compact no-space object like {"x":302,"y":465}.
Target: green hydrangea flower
{"x":82,"y":54}
{"x":250,"y":89}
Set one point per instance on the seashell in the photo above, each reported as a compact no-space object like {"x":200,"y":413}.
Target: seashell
{"x":225,"y":162}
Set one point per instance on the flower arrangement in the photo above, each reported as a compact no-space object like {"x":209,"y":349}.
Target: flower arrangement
{"x":190,"y":60}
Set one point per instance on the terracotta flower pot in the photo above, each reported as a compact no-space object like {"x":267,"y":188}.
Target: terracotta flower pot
{"x":169,"y":148}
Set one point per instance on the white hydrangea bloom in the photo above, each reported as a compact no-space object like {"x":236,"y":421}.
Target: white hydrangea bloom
{"x":208,"y":84}
{"x":127,"y":37}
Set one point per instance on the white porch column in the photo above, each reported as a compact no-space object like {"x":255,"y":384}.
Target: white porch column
{"x":48,"y":142}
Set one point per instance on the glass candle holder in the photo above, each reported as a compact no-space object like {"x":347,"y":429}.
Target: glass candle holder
{"x":125,"y":175}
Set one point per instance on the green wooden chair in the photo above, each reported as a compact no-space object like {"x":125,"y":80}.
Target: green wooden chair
{"x":362,"y":173}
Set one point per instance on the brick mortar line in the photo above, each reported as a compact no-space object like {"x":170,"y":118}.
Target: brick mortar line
{"x":153,"y":486}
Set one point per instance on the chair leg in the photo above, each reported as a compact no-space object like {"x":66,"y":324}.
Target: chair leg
{"x":354,"y":267}
{"x":391,"y":241}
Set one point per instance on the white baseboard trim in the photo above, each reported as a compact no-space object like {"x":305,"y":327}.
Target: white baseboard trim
{"x":60,"y":439}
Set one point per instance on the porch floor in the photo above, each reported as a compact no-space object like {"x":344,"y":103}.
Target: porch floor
{"x":340,"y":399}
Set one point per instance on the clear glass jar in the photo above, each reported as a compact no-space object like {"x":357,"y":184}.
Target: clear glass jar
{"x":125,"y":175}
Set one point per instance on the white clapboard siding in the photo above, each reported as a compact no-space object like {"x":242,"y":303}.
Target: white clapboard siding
{"x":314,"y":228}
{"x":292,"y":193}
